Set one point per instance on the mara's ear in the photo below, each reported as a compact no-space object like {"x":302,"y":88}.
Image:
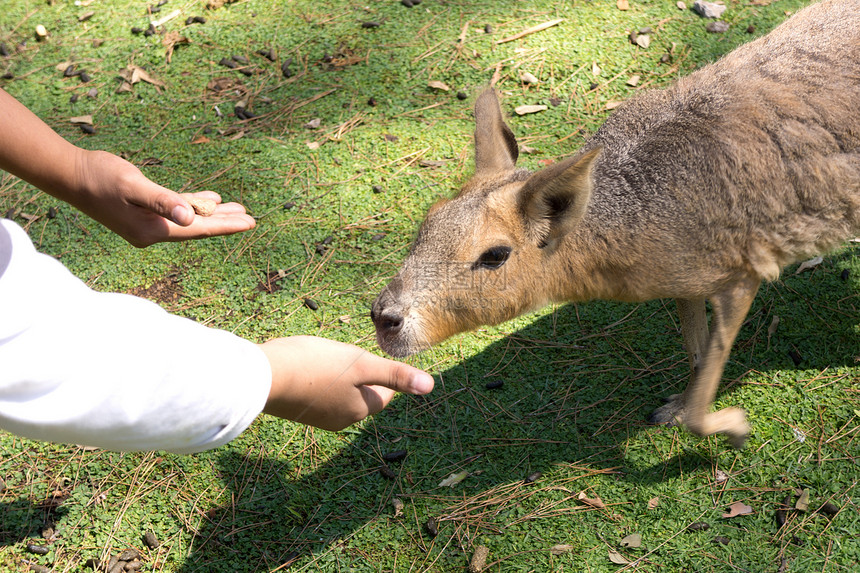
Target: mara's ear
{"x":554,"y":199}
{"x":495,"y":145}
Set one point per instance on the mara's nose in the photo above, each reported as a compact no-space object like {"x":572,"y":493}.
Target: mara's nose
{"x":386,"y":320}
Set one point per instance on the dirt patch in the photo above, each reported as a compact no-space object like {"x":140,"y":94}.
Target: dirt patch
{"x":167,"y":290}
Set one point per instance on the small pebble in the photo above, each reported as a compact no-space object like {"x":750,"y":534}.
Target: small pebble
{"x":84,"y":77}
{"x":311,"y":304}
{"x":717,"y":27}
{"x":698,"y":526}
{"x":150,"y":539}
{"x":461,"y":95}
{"x":289,"y":205}
{"x":73,"y":98}
{"x":93,"y":93}
{"x":431,"y":527}
{"x":36,"y":568}
{"x":708,"y":9}
{"x":37,"y":549}
{"x":533,"y":477}
{"x":118,"y":567}
{"x":377,"y":189}
{"x":328,"y":240}
{"x":377,"y":237}
{"x":407,"y":3}
{"x":133,"y":566}
{"x":395,"y":456}
{"x":721,"y":539}
{"x":87,"y":128}
{"x":495,"y":384}
{"x":488,"y":29}
{"x":665,"y":58}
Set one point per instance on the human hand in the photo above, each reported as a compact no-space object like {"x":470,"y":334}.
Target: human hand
{"x":104,"y":186}
{"x":331,"y":385}
{"x":115,"y":193}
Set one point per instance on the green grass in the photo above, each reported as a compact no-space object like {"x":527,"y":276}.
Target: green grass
{"x":579,"y":380}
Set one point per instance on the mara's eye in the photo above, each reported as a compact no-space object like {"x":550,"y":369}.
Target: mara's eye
{"x":493,"y":258}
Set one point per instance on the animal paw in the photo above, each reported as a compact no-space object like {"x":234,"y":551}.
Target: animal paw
{"x":670,"y":414}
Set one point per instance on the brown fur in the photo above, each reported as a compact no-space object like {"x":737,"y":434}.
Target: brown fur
{"x":697,"y":192}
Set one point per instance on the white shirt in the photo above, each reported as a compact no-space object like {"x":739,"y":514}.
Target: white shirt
{"x":113,"y":370}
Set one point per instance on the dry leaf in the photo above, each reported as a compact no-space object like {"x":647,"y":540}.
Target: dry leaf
{"x":437,"y":85}
{"x":454,"y":479}
{"x":561,"y":549}
{"x":633,"y":540}
{"x":398,"y":507}
{"x":617,"y":558}
{"x":803,"y":501}
{"x":634,"y":80}
{"x":623,"y":5}
{"x":313,"y":144}
{"x":612,"y":104}
{"x":774,"y":323}
{"x":133,"y":74}
{"x":314,"y":123}
{"x":810,"y":264}
{"x":595,"y":69}
{"x":593,"y":502}
{"x":653,"y":502}
{"x":738,"y":508}
{"x":528,"y":78}
{"x":721,"y":476}
{"x":201,"y":139}
{"x":82,"y":119}
{"x":643,"y":41}
{"x":170,"y":41}
{"x":526,"y":109}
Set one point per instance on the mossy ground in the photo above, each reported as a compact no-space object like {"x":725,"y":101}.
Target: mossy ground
{"x":579,"y":379}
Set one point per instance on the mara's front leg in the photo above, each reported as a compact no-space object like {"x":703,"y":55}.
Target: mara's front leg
{"x":694,"y":329}
{"x":729,"y":308}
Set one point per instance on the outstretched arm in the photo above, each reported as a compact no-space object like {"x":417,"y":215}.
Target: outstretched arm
{"x":104,"y":186}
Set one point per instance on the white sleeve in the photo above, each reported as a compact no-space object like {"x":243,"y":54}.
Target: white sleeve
{"x":112,"y":370}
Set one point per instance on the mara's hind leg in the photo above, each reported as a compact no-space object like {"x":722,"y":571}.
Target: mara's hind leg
{"x":694,"y":328}
{"x":729,"y":309}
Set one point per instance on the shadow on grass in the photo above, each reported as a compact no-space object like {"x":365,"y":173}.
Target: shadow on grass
{"x":578,"y":385}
